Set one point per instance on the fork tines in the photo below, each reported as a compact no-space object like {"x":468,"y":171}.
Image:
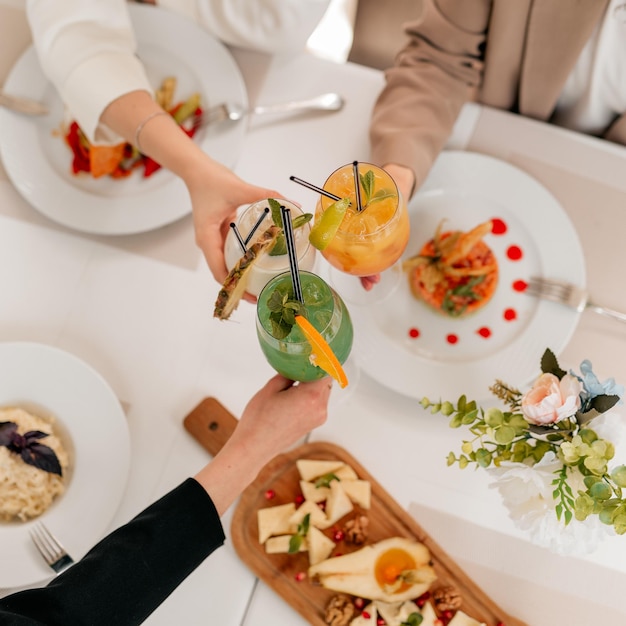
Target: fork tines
{"x":53,"y":553}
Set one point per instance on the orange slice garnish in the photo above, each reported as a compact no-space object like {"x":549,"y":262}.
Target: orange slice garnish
{"x":321,"y":354}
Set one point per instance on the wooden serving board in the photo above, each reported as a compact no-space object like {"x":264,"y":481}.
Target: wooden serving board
{"x":386,"y":519}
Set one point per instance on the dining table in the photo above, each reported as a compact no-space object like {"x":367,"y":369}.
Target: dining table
{"x":138,"y":309}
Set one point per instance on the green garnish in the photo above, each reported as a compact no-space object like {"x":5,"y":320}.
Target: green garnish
{"x":296,"y":540}
{"x":283,"y":310}
{"x":414,"y":619}
{"x":324,"y":481}
{"x":280,"y":247}
{"x":367,"y":182}
{"x":463,"y":291}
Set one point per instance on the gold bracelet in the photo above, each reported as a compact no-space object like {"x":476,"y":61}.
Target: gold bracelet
{"x":142,"y":124}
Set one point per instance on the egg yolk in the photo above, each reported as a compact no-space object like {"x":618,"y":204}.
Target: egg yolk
{"x":390,"y":564}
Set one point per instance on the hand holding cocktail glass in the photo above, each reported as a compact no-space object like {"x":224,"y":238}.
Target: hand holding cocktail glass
{"x":361,"y":226}
{"x":303,"y":326}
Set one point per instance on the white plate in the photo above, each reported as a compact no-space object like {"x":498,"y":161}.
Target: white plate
{"x":93,"y":426}
{"x":467,"y":189}
{"x":39,"y":163}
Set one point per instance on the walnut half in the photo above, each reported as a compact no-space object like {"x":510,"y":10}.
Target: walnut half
{"x":356,"y":529}
{"x":447,"y":598}
{"x":339,"y":611}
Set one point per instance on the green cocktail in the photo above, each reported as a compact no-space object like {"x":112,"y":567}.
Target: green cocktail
{"x":284,"y":345}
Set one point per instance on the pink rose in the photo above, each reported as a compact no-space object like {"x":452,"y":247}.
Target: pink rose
{"x":551,"y":400}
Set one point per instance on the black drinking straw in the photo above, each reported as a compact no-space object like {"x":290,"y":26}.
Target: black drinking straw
{"x":285,"y":214}
{"x":242,"y":243}
{"x":256,"y":225}
{"x":357,"y":186}
{"x":312,"y":187}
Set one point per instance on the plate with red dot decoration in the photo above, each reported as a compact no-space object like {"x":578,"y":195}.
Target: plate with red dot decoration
{"x":417,"y":351}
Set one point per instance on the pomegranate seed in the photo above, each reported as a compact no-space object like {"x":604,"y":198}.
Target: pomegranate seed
{"x":359,"y":603}
{"x":365,"y":615}
{"x":338,"y":535}
{"x":380,"y":622}
{"x":447,"y":615}
{"x":299,"y":500}
{"x":438,"y":622}
{"x":421,"y":601}
{"x":300,"y":576}
{"x":270,"y":494}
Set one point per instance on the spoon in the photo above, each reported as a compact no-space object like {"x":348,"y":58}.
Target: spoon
{"x":234,"y":112}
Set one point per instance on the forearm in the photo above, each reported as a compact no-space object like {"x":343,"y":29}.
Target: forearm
{"x":433,"y":76}
{"x":159,"y":136}
{"x":128,"y":574}
{"x":230,"y":472}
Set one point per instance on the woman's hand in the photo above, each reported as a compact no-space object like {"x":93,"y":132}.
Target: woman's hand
{"x":216,"y":193}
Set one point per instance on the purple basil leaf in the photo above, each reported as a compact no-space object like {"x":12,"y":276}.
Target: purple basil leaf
{"x":42,"y":457}
{"x":6,"y":432}
{"x":32,"y":435}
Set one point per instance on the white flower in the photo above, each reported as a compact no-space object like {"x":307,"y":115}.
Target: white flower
{"x":526,"y":491}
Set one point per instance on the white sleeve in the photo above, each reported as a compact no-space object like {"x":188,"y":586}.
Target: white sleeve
{"x":265,"y":25}
{"x":87,"y":50}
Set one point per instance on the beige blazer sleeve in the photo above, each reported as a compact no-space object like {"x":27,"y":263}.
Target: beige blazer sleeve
{"x":433,"y":76}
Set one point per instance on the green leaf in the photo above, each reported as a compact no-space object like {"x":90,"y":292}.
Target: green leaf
{"x":483,"y":457}
{"x":325,"y":480}
{"x":618,"y":475}
{"x":367,"y":182}
{"x":275,"y":212}
{"x":604,"y":402}
{"x":504,"y":435}
{"x":294,"y":544}
{"x":600,"y":491}
{"x":494,"y":417}
{"x":549,"y":364}
{"x":414,"y":619}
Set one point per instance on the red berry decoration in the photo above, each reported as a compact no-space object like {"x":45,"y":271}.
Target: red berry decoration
{"x":359,"y":603}
{"x":338,"y":535}
{"x":365,"y":615}
{"x":300,"y":576}
{"x":380,"y":622}
{"x":270,"y":494}
{"x":299,"y":500}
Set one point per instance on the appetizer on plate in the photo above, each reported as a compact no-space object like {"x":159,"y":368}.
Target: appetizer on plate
{"x":455,"y":272}
{"x":120,"y":160}
{"x":32,"y":463}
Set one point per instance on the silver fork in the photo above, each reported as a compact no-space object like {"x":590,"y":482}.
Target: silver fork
{"x":53,"y":553}
{"x":233,"y":112}
{"x":568,"y":294}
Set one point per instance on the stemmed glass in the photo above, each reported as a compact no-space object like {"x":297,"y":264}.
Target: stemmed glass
{"x":372,"y":235}
{"x":301,"y":293}
{"x":250,"y":224}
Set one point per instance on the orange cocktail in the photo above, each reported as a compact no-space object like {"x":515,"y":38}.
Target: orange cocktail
{"x":370,"y":240}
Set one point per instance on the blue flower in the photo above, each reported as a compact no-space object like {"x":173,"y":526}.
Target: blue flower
{"x":594,"y":387}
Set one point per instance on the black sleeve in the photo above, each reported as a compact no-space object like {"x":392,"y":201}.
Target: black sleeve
{"x":128,"y":574}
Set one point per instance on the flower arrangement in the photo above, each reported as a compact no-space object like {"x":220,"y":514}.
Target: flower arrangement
{"x":543,"y":449}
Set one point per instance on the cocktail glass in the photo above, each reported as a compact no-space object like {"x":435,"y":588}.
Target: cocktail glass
{"x":268,"y":265}
{"x":325,"y":310}
{"x":371,"y":240}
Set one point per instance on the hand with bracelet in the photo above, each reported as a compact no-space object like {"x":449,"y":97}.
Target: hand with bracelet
{"x":214,"y":190}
